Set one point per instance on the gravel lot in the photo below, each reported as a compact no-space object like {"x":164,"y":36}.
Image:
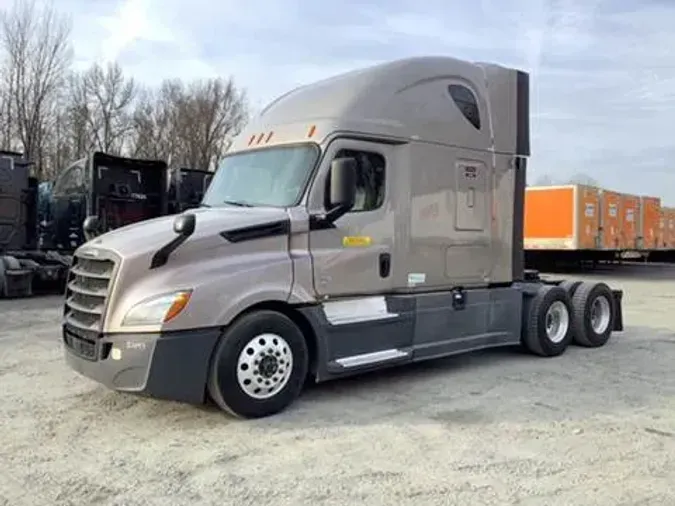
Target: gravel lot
{"x":502,"y":427}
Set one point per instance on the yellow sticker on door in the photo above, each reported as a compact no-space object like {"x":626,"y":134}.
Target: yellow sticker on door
{"x":356,"y":241}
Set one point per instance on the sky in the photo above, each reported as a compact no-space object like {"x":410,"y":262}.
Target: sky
{"x":602,"y":72}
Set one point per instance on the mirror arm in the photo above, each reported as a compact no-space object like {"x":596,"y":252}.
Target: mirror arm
{"x":161,"y":256}
{"x":336,"y":213}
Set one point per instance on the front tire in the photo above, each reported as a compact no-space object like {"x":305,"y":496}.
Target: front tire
{"x":259,"y":365}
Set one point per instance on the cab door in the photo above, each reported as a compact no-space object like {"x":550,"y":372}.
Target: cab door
{"x":354,"y":255}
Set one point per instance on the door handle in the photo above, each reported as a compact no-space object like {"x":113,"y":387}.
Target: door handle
{"x":385,"y":264}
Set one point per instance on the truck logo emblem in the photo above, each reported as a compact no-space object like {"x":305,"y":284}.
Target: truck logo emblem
{"x":131,"y":345}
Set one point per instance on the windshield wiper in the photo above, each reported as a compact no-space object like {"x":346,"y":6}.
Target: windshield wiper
{"x":237,"y":203}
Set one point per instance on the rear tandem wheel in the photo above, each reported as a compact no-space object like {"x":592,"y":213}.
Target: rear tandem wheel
{"x":576,"y":312}
{"x":593,"y":314}
{"x":547,"y":329}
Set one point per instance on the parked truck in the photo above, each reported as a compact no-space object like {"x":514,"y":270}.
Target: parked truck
{"x":117,"y":190}
{"x":41,"y":224}
{"x":365,"y":221}
{"x":25,"y":267}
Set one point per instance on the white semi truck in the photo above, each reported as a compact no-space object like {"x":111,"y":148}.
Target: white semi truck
{"x":365,"y":221}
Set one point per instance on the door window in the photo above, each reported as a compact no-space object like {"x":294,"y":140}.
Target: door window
{"x":370,"y":179}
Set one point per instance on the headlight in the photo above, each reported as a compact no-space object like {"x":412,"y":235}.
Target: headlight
{"x":157,"y":310}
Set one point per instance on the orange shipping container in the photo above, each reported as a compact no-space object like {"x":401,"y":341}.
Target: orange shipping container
{"x":610,"y":220}
{"x":669,"y":227}
{"x":562,"y":217}
{"x":630,"y":215}
{"x":662,"y":233}
{"x":650,"y":218}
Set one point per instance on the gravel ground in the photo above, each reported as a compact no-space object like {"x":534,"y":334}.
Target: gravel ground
{"x":500,"y":427}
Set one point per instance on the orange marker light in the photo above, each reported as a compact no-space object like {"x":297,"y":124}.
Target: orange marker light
{"x":312,"y":131}
{"x":178,"y":305}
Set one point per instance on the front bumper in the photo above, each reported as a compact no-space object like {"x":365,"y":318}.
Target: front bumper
{"x":171,"y":365}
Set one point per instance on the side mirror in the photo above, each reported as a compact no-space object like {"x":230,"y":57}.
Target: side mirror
{"x":184,"y":224}
{"x":90,"y":226}
{"x":342,"y":187}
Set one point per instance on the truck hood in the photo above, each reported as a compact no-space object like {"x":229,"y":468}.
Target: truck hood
{"x":149,"y":235}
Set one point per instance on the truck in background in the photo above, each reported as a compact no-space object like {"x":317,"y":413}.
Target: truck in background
{"x":369,"y":220}
{"x":25,"y":267}
{"x":118,"y":191}
{"x":42,"y":224}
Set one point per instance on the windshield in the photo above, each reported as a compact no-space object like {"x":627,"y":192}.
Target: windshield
{"x":71,"y":179}
{"x":267,"y":177}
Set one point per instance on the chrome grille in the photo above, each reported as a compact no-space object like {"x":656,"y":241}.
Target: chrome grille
{"x":89,"y":282}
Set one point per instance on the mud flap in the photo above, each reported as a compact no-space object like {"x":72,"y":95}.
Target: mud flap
{"x":618,"y":310}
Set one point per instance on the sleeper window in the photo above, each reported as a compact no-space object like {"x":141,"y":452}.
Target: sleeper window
{"x":466,"y":101}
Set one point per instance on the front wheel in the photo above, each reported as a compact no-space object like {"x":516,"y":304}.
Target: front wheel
{"x":259,"y":365}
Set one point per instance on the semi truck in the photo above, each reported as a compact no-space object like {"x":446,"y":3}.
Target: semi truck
{"x":41,"y":224}
{"x":369,"y":220}
{"x":25,"y":267}
{"x":118,"y":190}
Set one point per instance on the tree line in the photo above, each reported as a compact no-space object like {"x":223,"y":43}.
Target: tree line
{"x":55,"y":115}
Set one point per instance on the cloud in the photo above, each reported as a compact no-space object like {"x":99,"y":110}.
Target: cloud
{"x":603,"y":72}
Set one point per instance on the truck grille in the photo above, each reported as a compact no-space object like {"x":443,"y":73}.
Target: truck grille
{"x":89,"y":282}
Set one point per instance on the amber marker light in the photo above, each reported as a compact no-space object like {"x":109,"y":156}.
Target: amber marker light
{"x":179,"y":303}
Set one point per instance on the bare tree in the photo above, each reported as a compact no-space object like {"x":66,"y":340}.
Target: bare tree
{"x":103,"y":98}
{"x":5,"y":120}
{"x":211,"y":113}
{"x":154,"y":118}
{"x":56,"y":116}
{"x":190,"y":124}
{"x":58,"y":143}
{"x":36,"y":57}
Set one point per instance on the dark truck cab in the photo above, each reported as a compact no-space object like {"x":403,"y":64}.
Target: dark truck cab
{"x":24,"y":265}
{"x":118,"y":191}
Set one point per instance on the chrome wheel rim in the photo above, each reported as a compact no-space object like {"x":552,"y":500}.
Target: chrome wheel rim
{"x":557,"y":322}
{"x":601,"y":314}
{"x":265,"y":365}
